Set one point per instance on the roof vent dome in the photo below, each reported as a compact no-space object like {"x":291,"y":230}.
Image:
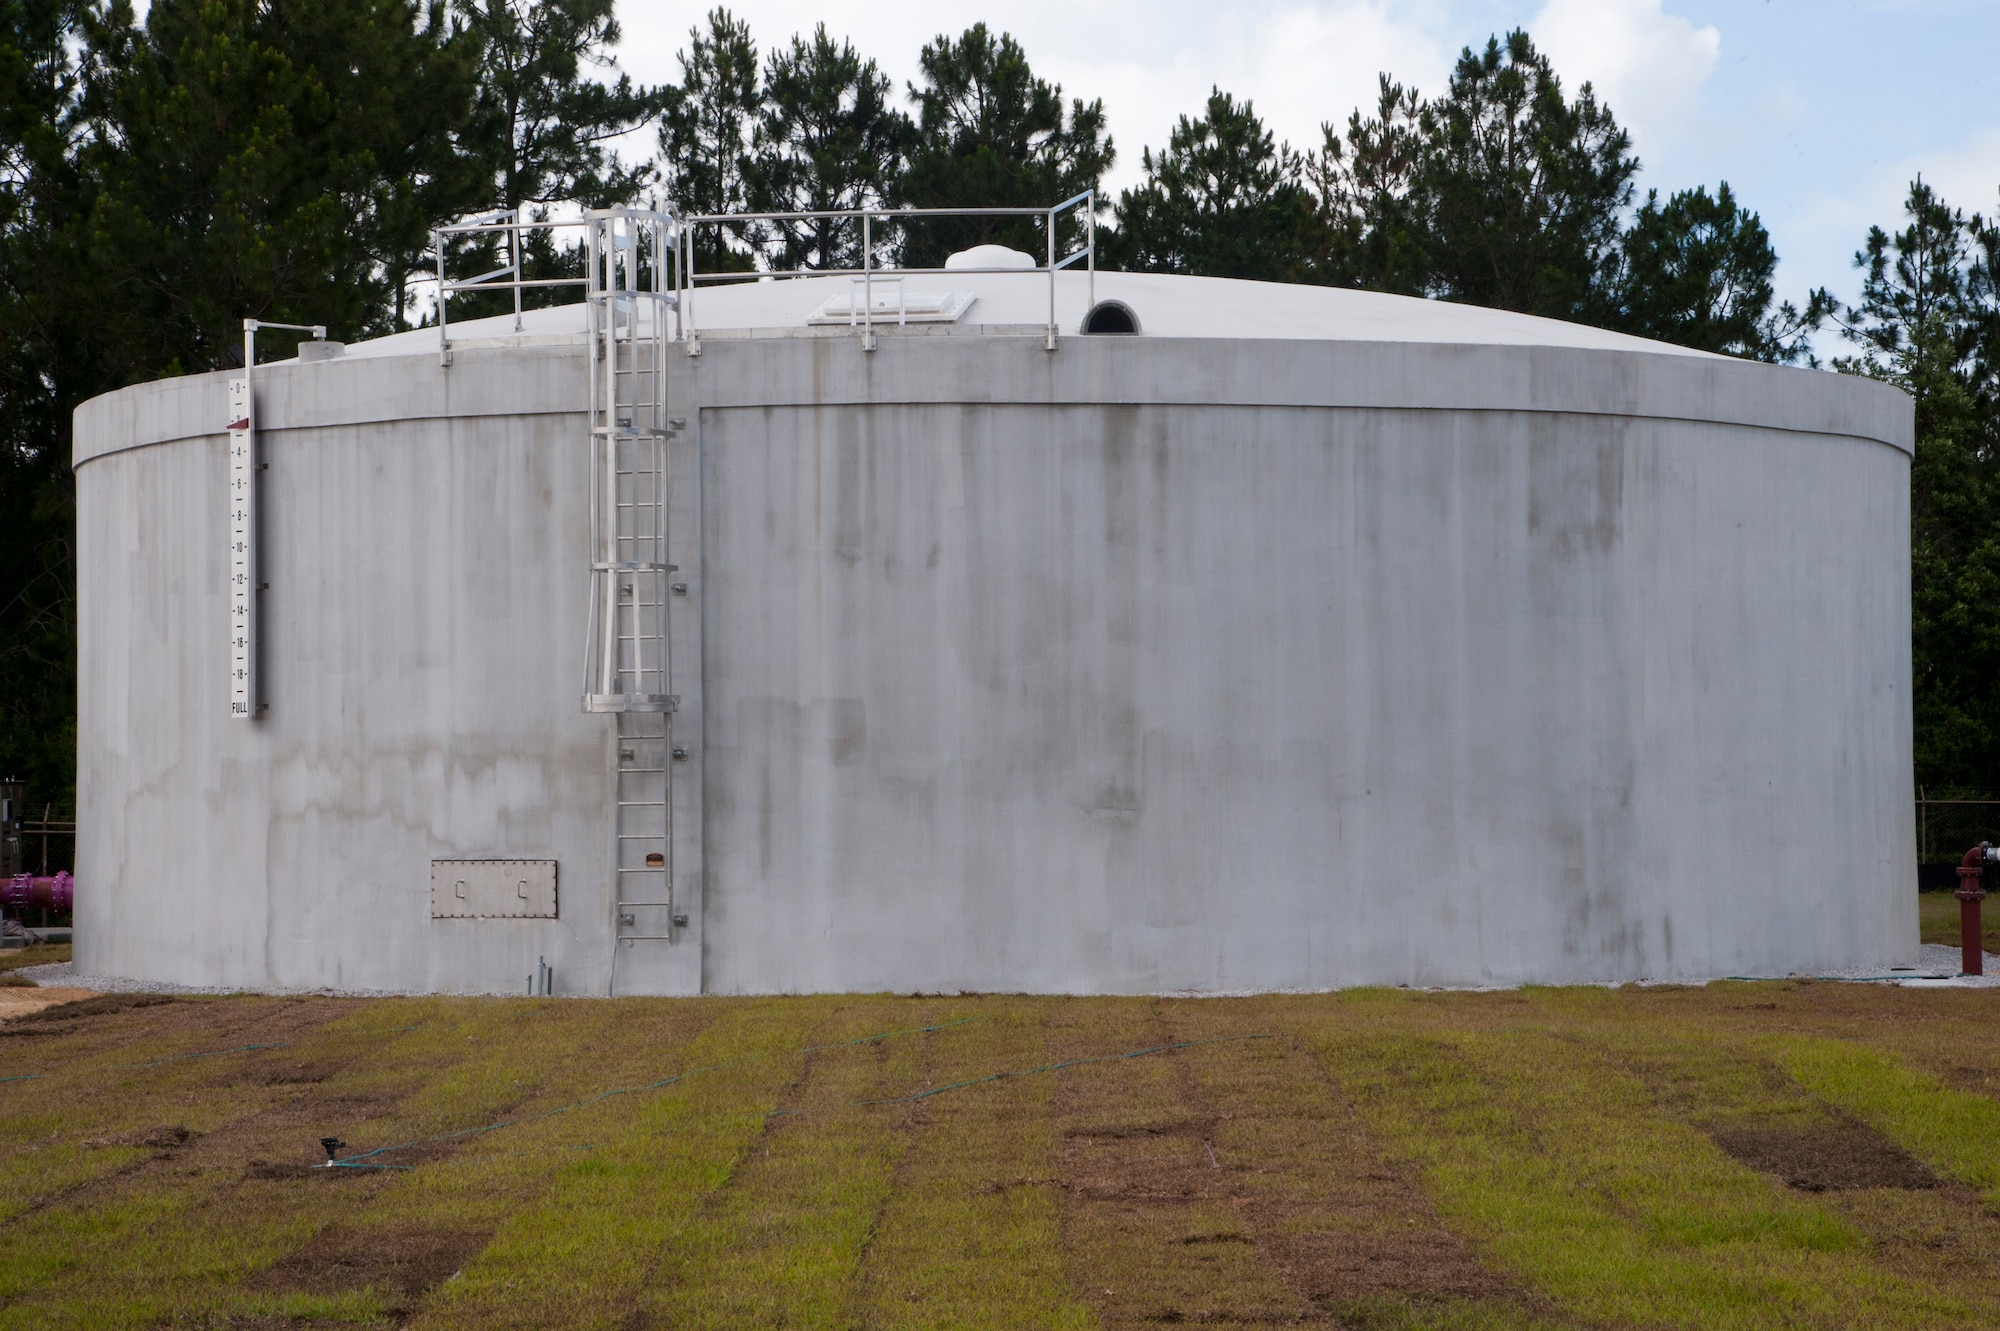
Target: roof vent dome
{"x":990,"y":256}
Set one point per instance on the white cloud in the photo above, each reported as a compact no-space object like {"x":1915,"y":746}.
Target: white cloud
{"x":1816,"y":239}
{"x":1647,"y":65}
{"x":1300,"y":66}
{"x":1317,"y":63}
{"x":1301,"y":63}
{"x":1966,"y":175}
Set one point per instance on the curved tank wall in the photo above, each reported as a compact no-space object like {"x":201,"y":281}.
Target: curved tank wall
{"x":1157,"y":663}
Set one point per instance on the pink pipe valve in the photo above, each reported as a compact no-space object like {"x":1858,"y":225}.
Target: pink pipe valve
{"x":56,"y":893}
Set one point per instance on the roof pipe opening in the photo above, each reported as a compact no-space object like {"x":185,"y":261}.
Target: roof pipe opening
{"x":1110,"y":316}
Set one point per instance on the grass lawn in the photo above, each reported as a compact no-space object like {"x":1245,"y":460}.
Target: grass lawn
{"x":1745,"y":1155}
{"x":1937,"y":916}
{"x":14,"y":958}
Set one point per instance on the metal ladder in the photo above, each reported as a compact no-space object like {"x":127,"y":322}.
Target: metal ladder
{"x":629,"y":659}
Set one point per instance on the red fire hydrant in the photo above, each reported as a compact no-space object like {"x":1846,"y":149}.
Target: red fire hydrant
{"x":1971,"y":946}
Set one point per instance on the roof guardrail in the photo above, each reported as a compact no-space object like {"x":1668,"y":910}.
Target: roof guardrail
{"x":508,"y":225}
{"x":1085,"y":203}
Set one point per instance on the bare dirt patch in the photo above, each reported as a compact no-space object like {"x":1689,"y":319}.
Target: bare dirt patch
{"x":1823,"y":1155}
{"x":1155,"y":1230}
{"x":1323,"y":1205}
{"x":402,"y":1262}
{"x":293,"y":1072}
{"x":64,"y":1007}
{"x":30,"y":1000}
{"x":1160,"y":1163}
{"x":166,"y":1137}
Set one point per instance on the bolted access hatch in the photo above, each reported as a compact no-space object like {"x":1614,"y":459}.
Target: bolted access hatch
{"x":493,"y":889}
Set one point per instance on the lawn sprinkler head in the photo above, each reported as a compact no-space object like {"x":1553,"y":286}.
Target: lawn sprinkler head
{"x":333,"y":1147}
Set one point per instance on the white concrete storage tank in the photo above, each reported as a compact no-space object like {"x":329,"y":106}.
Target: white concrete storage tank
{"x":1306,"y":638}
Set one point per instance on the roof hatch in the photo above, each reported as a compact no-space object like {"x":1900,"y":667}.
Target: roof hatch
{"x":891,"y":302}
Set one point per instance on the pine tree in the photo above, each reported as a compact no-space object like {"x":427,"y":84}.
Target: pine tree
{"x":1926,"y":301}
{"x":705,"y":136}
{"x":1364,"y":181}
{"x":827,"y":139}
{"x":1224,"y":199}
{"x":405,"y":76}
{"x":543,"y":122}
{"x":992,"y":135}
{"x":258,"y":160}
{"x":1502,"y":192}
{"x":1696,"y":271}
{"x":542,"y":131}
{"x":47,"y":359}
{"x":1519,"y":189}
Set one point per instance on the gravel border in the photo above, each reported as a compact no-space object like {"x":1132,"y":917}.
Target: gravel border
{"x":1936,"y":968}
{"x":64,"y":973}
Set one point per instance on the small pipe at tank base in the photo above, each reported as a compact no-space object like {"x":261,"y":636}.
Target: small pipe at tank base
{"x":1971,"y":942}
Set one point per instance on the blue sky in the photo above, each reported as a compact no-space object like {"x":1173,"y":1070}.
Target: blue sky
{"x":1817,"y":112}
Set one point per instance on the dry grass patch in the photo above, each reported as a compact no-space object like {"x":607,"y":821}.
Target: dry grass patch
{"x":1153,"y":1230}
{"x":1771,"y":1155}
{"x":1351,"y":1233}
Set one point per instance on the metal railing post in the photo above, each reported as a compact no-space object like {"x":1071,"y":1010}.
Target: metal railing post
{"x":444,"y":298}
{"x":867,"y":284}
{"x":514,"y":262}
{"x":1090,"y":246}
{"x":693,"y":332}
{"x":1050,"y":345}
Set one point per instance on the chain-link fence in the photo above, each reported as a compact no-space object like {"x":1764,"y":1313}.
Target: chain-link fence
{"x":1946,"y":829}
{"x":48,"y":844}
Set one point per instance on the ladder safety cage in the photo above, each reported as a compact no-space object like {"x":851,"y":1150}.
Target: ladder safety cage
{"x":628,"y":298}
{"x":1084,"y":205}
{"x":628,"y":669}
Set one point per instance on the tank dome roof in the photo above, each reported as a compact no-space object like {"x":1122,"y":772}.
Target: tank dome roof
{"x":1166,"y":306}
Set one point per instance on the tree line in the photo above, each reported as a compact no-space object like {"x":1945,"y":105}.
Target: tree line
{"x":286,"y":160}
{"x":1502,"y":191}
